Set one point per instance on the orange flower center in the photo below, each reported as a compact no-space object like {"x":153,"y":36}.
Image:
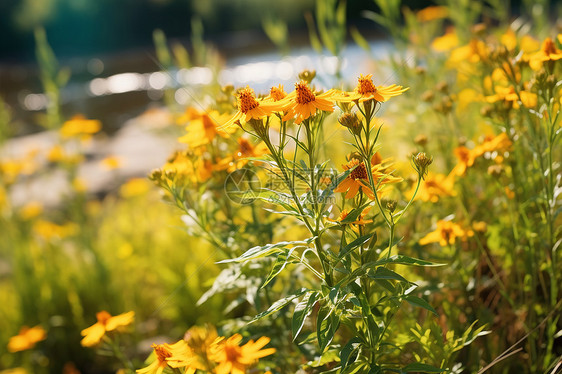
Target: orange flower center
{"x":549,"y":47}
{"x":161,"y":352}
{"x":304,"y":94}
{"x":245,"y":147}
{"x":247,"y":100}
{"x":365,"y":85}
{"x":360,"y":172}
{"x":277,"y":93}
{"x":446,"y":233}
{"x":103,"y":317}
{"x":232,"y":353}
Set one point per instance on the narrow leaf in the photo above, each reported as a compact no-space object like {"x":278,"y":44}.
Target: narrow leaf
{"x":419,"y":302}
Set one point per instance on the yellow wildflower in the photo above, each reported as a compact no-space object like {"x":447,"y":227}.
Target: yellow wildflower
{"x":240,"y":157}
{"x":203,"y":128}
{"x":80,"y":126}
{"x":498,"y":143}
{"x":359,"y":180}
{"x":433,"y":187}
{"x":548,"y":52}
{"x":31,"y":210}
{"x":303,"y":103}
{"x":26,"y":339}
{"x":431,"y":13}
{"x":106,"y":323}
{"x":134,"y":187}
{"x":366,"y":90}
{"x":233,"y":358}
{"x":446,"y":42}
{"x":446,"y":233}
{"x":508,"y":94}
{"x":177,"y":355}
{"x":466,"y":159}
{"x":249,"y":107}
{"x":111,"y":163}
{"x":48,"y":230}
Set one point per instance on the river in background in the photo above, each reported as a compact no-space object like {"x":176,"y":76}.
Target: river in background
{"x":116,"y":88}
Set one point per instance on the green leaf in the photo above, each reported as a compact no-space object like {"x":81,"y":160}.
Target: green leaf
{"x":279,"y":304}
{"x":346,"y":351}
{"x":278,"y":266}
{"x":327,"y":323}
{"x":403,"y":260}
{"x":266,"y":250}
{"x":303,"y":310}
{"x":354,"y":244}
{"x":419,"y":302}
{"x":384,"y":273}
{"x":421,"y":368}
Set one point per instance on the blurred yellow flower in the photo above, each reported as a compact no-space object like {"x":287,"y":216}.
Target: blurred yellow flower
{"x":446,"y":233}
{"x":48,"y":230}
{"x":177,"y":355}
{"x":466,"y":159}
{"x":135,"y":187}
{"x":106,"y":322}
{"x":509,"y":39}
{"x":508,"y":94}
{"x":446,"y":42}
{"x":472,"y":53}
{"x":26,"y":339}
{"x":79,"y":126}
{"x":31,"y":210}
{"x":433,"y":187}
{"x":359,"y":221}
{"x":492,"y":143}
{"x":431,"y":13}
{"x":239,"y":159}
{"x":14,"y":371}
{"x":548,"y":52}
{"x":203,"y":127}
{"x":233,"y":358}
{"x":111,"y":163}
{"x":79,"y":185}
{"x":276,"y":94}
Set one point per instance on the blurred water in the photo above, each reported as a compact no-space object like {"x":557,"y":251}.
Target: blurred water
{"x":114,"y":97}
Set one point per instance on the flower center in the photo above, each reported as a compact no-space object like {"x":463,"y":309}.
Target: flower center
{"x":232,"y":353}
{"x":247,"y":100}
{"x":103,"y":316}
{"x":161,"y":352}
{"x":245,"y":147}
{"x":304,"y":94}
{"x":360,"y":172}
{"x":549,"y":47}
{"x":365,"y":85}
{"x":277,"y":93}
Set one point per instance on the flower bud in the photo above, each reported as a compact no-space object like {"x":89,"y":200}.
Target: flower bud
{"x":307,"y":75}
{"x":421,"y":140}
{"x":352,"y":122}
{"x":421,"y":162}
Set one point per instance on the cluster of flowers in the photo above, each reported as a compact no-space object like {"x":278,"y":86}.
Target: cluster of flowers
{"x":201,"y":349}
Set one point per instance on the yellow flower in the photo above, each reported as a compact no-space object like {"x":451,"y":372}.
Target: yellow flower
{"x":111,"y":163}
{"x":303,"y":103}
{"x":240,"y":157}
{"x":548,"y":52}
{"x":26,"y":339}
{"x":498,"y":143}
{"x":134,"y":187}
{"x":249,"y":107}
{"x":106,"y":322}
{"x":48,"y":230}
{"x":80,"y":126}
{"x":233,"y":358}
{"x":177,"y":355}
{"x":508,"y":94}
{"x":473,"y":52}
{"x":276,"y":94}
{"x":433,"y":187}
{"x":203,"y":128}
{"x":366,"y":90}
{"x":446,"y":42}
{"x":360,"y":220}
{"x":509,"y":39}
{"x":31,"y":210}
{"x":358,"y":178}
{"x":445,"y":234}
{"x":431,"y":13}
{"x":466,"y":159}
